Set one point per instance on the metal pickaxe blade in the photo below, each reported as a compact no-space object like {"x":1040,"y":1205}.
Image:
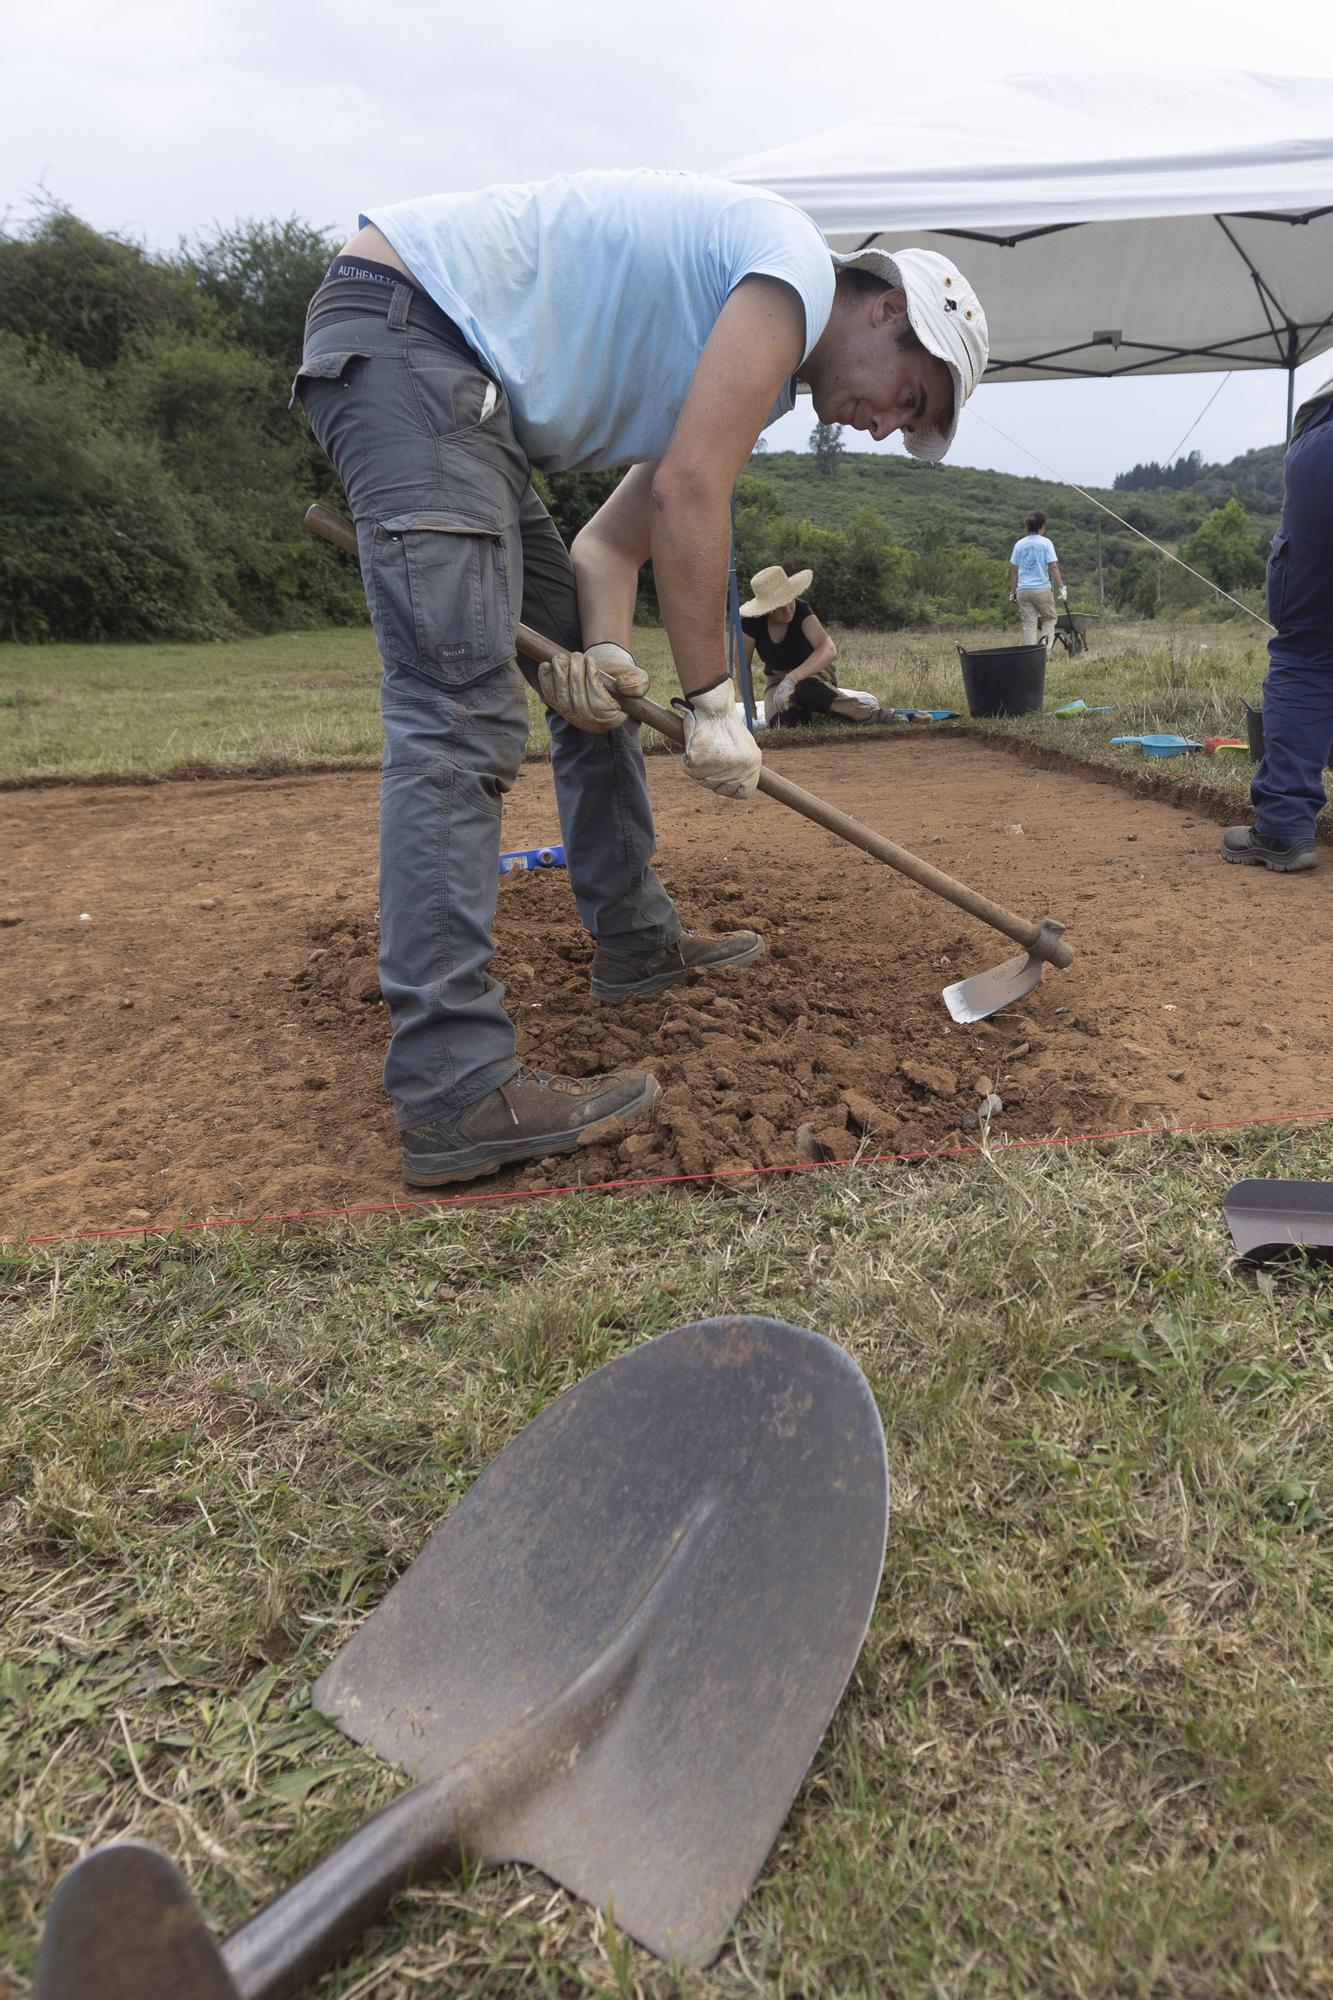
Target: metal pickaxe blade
{"x":986,"y":993}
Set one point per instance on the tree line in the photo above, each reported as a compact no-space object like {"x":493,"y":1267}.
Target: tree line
{"x":152,"y":480}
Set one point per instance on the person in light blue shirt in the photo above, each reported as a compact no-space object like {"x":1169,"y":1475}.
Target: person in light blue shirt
{"x":652,"y":320}
{"x":553,"y":286}
{"x":1034,"y":578}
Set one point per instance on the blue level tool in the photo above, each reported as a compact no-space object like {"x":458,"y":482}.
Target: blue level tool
{"x":926,"y":714}
{"x":532,"y":857}
{"x":1159,"y":746}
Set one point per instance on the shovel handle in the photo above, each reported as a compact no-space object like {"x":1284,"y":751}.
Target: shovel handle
{"x":286,"y":1945}
{"x":1043,"y":940}
{"x":1034,"y":936}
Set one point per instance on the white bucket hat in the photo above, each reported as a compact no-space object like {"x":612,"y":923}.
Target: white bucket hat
{"x":945,"y":315}
{"x":773,"y":588}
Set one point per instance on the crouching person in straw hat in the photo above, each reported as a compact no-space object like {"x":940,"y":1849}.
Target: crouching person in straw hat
{"x":799,"y":658}
{"x":653,"y":320}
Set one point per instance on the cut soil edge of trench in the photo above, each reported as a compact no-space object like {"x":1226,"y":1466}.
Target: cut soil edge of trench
{"x":1141,"y":781}
{"x":418,"y":1206}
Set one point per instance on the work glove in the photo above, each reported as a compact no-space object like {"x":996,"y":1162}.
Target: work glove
{"x":1013,"y":597}
{"x":1064,"y":593}
{"x":719,"y":750}
{"x":579,"y":686}
{"x":779,"y":699}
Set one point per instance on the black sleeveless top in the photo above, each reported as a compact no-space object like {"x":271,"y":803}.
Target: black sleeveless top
{"x":792,"y":650}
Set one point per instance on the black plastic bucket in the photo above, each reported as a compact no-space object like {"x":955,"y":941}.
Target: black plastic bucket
{"x":1004,"y":680}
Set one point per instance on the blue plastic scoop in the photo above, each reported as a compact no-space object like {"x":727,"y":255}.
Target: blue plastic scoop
{"x":1159,"y":746}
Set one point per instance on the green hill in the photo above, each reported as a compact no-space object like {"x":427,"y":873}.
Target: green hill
{"x":985,"y":510}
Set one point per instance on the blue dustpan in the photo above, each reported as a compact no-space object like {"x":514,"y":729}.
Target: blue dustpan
{"x":1159,"y":746}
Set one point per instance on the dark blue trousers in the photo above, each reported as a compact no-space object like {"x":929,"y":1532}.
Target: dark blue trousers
{"x":1288,"y":786}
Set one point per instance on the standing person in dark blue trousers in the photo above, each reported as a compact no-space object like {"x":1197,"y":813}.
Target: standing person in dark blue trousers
{"x":1288,"y":787}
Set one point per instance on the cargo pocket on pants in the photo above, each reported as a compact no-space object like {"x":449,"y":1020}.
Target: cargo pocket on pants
{"x":325,"y":368}
{"x":439,"y":596}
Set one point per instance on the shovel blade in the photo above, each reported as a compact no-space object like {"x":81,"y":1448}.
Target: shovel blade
{"x":124,"y":1926}
{"x":987,"y":992}
{"x":713,"y":1504}
{"x":1268,"y":1216}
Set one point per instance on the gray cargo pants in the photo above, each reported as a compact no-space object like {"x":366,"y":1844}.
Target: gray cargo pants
{"x":455,"y":549}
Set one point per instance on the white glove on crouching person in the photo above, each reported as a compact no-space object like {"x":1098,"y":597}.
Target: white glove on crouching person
{"x":779,"y":699}
{"x":578,"y":685}
{"x":719,"y":750}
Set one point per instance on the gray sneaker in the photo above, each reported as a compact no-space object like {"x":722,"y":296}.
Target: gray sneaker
{"x":1264,"y":850}
{"x":621,"y":976}
{"x":526,"y":1118}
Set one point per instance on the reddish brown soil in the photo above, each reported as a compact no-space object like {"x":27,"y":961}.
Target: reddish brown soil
{"x":209,"y":1042}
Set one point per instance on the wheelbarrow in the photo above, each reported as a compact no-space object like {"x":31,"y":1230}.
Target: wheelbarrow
{"x":1071,"y":629}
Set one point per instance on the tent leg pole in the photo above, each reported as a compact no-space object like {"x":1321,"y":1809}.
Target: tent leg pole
{"x":735,"y":637}
{"x":1291,"y":399}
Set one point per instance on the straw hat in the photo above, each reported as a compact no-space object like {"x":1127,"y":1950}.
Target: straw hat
{"x":773,"y":588}
{"x":945,"y":315}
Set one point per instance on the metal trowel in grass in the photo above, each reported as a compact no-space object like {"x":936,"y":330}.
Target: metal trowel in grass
{"x":967,"y":999}
{"x":614,"y":1662}
{"x":1268,"y":1217}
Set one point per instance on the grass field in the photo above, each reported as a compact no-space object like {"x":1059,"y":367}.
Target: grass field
{"x":1087,"y":1749}
{"x":302,"y":699}
{"x":1086,"y":1754}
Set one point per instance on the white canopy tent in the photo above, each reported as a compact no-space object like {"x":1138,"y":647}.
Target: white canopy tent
{"x":1112,"y":224}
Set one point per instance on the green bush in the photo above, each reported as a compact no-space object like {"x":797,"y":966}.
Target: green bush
{"x":260,"y":276}
{"x":65,"y":287}
{"x":1224,"y":548}
{"x":152,"y":478}
{"x":96,"y":539}
{"x":861,"y":576}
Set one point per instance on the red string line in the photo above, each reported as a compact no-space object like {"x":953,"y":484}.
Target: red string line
{"x":414,"y":1204}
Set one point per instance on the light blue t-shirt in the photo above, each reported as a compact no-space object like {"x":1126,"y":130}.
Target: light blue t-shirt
{"x":590,"y":297}
{"x":1030,"y":556}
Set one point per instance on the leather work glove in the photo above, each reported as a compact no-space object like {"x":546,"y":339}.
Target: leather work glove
{"x":579,"y":685}
{"x":780,"y":700}
{"x":719,"y":750}
{"x":1064,"y":593}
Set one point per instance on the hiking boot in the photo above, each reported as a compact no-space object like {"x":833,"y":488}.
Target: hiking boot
{"x":525,"y":1119}
{"x":625,"y":975}
{"x":1263,"y":850}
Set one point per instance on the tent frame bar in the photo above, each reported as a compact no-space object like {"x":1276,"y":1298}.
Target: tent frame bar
{"x":1052,"y":362}
{"x":1011,"y":239}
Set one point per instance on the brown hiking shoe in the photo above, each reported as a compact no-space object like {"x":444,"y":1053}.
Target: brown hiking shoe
{"x":526,"y":1118}
{"x":619,"y":976}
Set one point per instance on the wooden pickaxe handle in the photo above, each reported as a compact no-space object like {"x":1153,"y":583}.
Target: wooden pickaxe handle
{"x":1042,"y":939}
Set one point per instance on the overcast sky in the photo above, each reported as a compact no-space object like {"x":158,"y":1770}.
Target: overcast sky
{"x":160,"y":120}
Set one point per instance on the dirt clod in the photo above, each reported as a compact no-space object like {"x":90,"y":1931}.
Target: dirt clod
{"x":863,"y":1116}
{"x":931,"y":1077}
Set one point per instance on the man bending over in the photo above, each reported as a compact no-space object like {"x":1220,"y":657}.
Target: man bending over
{"x":653,"y":320}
